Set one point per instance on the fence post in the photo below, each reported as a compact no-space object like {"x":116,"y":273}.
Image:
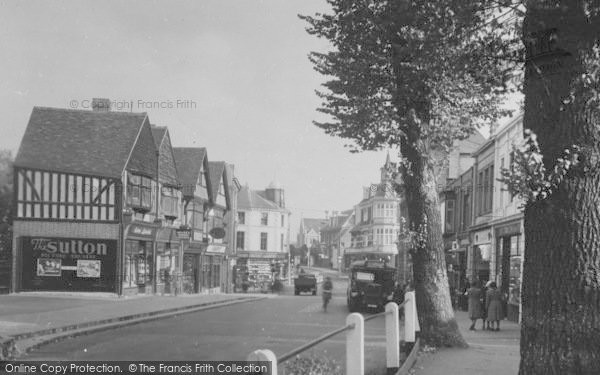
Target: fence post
{"x":392,"y":336}
{"x":410,"y":316}
{"x":355,"y":345}
{"x":264,"y":355}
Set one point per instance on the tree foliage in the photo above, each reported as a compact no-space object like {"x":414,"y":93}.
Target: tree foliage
{"x":418,"y":75}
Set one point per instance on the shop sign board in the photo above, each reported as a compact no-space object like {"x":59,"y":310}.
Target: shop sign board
{"x":141,"y":231}
{"x":69,"y":264}
{"x":219,"y":249}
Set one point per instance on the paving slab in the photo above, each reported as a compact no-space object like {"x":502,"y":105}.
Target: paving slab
{"x":489,"y":352}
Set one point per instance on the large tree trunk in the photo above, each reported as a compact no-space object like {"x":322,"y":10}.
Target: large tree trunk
{"x":436,"y":315}
{"x":560,"y":331}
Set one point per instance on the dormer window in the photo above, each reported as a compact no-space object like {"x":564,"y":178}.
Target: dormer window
{"x":139,"y":192}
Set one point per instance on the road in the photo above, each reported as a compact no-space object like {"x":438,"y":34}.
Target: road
{"x":280,"y":323}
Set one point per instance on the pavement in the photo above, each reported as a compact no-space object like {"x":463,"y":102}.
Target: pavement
{"x":489,"y":352}
{"x":28,"y":320}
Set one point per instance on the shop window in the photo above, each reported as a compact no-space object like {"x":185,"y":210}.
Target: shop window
{"x":263,"y":241}
{"x":167,"y":261}
{"x":138,"y":263}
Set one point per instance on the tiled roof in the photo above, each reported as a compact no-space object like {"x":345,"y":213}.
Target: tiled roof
{"x":315,"y":224}
{"x":189,"y":162}
{"x":338,"y":223}
{"x":249,"y":199}
{"x":158,"y":133}
{"x":216,"y":169}
{"x":76,"y":141}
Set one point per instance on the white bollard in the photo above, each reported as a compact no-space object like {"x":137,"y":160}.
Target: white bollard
{"x":410,"y":315}
{"x":264,"y":355}
{"x":392,"y":335}
{"x":355,"y":345}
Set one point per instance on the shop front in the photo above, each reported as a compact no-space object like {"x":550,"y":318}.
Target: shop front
{"x":254,"y":268}
{"x":509,"y":260}
{"x":68,"y":264}
{"x":191,"y":267}
{"x":481,"y":255}
{"x":168,"y":261}
{"x":138,"y":259}
{"x":212,"y":262}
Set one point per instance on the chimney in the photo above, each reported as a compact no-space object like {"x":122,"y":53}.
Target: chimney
{"x":100,"y":105}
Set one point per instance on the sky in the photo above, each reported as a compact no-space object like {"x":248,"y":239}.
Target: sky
{"x":231,"y":76}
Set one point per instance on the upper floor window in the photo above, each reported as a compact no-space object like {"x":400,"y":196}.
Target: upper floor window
{"x":449,"y":215}
{"x":484,"y":192}
{"x":169,"y":202}
{"x":139,"y":192}
{"x":240,"y":238}
{"x":264,"y":218}
{"x":241,"y":217}
{"x":282,"y":220}
{"x":263,"y":241}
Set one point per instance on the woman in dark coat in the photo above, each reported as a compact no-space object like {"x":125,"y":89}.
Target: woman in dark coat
{"x":475,"y":311}
{"x":493,"y":300}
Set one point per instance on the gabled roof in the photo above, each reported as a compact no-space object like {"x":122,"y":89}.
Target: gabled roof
{"x":158,"y":133}
{"x":218,"y":175}
{"x":167,"y":164}
{"x":189,"y":162}
{"x":77,"y":141}
{"x":249,"y":199}
{"x":338,"y":223}
{"x":314,"y":224}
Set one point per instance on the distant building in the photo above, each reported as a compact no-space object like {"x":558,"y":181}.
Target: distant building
{"x":262,"y":233}
{"x":310,"y":231}
{"x":336,"y":237}
{"x":508,"y":249}
{"x":375,"y":234}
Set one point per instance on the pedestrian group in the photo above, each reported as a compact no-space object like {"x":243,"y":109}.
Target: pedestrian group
{"x":485,"y":304}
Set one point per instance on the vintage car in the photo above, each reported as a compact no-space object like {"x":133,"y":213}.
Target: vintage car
{"x":305,"y":282}
{"x":372,"y":284}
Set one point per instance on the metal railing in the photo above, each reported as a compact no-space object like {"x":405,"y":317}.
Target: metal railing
{"x":355,"y":338}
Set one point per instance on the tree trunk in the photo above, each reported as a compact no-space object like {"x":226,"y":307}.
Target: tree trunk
{"x":436,"y":315}
{"x":560,"y":332}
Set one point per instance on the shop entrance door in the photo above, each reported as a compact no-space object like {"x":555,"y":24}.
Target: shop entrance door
{"x":190,"y":273}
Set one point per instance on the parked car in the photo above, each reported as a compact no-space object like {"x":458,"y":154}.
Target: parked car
{"x":305,"y":282}
{"x":371,"y":285}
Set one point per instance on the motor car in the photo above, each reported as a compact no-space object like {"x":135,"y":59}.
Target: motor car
{"x":372,"y":284}
{"x":305,"y":282}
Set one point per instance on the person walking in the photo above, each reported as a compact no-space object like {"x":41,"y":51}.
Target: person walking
{"x":327,"y":291}
{"x":494,"y":306}
{"x":474,"y":295}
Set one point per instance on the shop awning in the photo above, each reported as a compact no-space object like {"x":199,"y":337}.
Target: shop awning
{"x":167,"y":235}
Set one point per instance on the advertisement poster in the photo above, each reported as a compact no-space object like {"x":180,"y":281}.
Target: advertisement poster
{"x":88,"y":268}
{"x":68,"y":264}
{"x":49,"y":267}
